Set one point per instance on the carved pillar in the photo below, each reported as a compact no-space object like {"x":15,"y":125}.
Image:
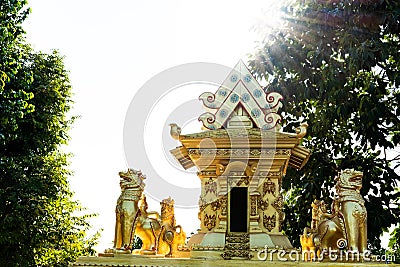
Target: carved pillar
{"x":254,"y":216}
{"x":223,"y":216}
{"x":223,"y":200}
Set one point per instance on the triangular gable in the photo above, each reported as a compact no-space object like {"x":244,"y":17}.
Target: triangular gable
{"x":241,"y":88}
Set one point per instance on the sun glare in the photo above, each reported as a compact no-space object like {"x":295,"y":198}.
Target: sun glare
{"x":271,"y":17}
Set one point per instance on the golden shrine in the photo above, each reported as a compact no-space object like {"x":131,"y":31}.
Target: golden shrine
{"x":241,"y":156}
{"x":241,"y":159}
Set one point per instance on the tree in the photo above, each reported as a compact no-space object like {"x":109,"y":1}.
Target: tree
{"x":40,"y":223}
{"x":337,"y":64}
{"x":394,"y":241}
{"x":394,"y":244}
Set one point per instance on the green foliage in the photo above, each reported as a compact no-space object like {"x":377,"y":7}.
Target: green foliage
{"x":12,"y":14}
{"x":394,"y":244}
{"x":337,"y":65}
{"x":40,"y":224}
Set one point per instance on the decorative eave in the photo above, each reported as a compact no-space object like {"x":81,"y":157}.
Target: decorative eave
{"x":231,"y":139}
{"x":181,"y":154}
{"x":299,"y":157}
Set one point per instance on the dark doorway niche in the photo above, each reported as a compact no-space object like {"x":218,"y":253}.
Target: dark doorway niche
{"x":238,"y":209}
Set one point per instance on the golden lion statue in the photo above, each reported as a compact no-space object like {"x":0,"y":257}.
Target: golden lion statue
{"x":158,"y":233}
{"x":307,"y":245}
{"x":351,"y":205}
{"x":132,"y":185}
{"x":169,"y":239}
{"x":347,"y":220}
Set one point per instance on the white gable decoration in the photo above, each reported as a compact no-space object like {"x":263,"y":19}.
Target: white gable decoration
{"x":241,"y":95}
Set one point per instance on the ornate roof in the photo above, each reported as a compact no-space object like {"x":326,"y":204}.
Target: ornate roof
{"x":242,"y":122}
{"x":241,"y":96}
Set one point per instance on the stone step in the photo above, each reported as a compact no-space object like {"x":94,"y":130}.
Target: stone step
{"x":237,"y":245}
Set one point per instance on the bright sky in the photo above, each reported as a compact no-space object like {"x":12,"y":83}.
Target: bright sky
{"x":114,"y":47}
{"x":111,"y":49}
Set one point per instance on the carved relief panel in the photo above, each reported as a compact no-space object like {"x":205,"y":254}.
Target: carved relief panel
{"x":269,"y":222}
{"x":270,"y":203}
{"x":210,"y":213}
{"x":210,"y":221}
{"x":269,"y":187}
